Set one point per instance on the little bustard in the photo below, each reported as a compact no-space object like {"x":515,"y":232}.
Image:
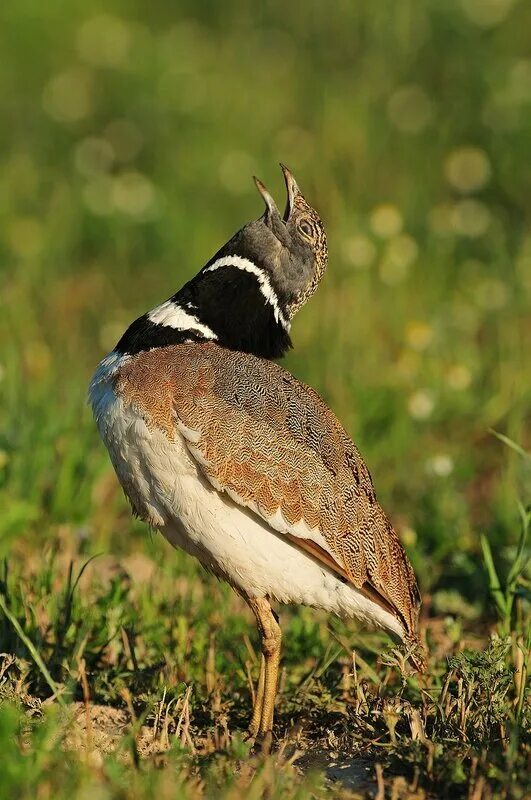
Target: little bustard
{"x":236,"y":461}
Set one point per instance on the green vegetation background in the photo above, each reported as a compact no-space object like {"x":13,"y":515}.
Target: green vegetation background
{"x":129,"y":134}
{"x":127,"y":148}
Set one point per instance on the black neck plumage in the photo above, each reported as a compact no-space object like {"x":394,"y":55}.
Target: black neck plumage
{"x":230,"y":302}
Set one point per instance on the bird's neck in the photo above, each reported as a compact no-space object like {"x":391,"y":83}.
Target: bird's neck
{"x":231,"y":301}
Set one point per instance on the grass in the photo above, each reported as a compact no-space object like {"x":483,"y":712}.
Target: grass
{"x":155,"y":684}
{"x":126,"y":155}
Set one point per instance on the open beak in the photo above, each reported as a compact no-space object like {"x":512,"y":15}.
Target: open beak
{"x":292,"y":189}
{"x":271,"y":208}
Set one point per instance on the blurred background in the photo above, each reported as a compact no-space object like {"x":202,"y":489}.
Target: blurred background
{"x":130,"y":132}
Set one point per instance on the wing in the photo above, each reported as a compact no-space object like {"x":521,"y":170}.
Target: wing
{"x":274,"y":446}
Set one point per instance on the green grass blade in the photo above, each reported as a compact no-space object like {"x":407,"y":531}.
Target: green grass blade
{"x":510,"y":443}
{"x":526,"y":650}
{"x":32,"y":649}
{"x":522,"y":557}
{"x":494,"y":582}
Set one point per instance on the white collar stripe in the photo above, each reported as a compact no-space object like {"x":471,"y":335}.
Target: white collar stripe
{"x":263,"y":281}
{"x":173,"y":316}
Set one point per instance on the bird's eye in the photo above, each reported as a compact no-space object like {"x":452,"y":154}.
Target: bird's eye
{"x":305,"y":228}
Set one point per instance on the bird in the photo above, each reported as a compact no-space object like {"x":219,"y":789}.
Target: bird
{"x":240,"y":464}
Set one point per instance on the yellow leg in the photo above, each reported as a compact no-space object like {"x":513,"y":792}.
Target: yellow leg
{"x":254,"y":727}
{"x":271,"y":637}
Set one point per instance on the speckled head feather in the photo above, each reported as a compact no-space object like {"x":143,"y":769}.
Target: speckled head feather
{"x":305,"y":219}
{"x":299,"y":257}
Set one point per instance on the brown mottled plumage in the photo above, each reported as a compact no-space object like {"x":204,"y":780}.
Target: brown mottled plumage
{"x":272,"y":443}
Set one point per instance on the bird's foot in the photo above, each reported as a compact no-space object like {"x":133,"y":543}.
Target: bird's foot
{"x":266,"y":743}
{"x":260,"y":742}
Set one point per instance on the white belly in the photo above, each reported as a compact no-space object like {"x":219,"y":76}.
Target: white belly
{"x":168,"y":491}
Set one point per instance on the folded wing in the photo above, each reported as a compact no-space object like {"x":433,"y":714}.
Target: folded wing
{"x":273,"y":445}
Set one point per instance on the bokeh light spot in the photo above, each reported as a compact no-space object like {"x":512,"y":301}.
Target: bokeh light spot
{"x":67,"y":97}
{"x":134,"y":194}
{"x":487,"y":13}
{"x":440,"y":464}
{"x":359,"y":251}
{"x":467,"y":169}
{"x":401,"y":253}
{"x":419,"y":334}
{"x":386,"y":221}
{"x":92,"y":156}
{"x":410,"y":109}
{"x":421,"y":404}
{"x":104,"y":41}
{"x":458,"y":377}
{"x":470,"y":218}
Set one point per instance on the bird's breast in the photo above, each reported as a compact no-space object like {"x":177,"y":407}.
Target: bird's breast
{"x":150,"y":467}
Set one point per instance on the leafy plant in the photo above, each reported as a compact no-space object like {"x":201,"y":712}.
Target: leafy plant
{"x":504,"y":593}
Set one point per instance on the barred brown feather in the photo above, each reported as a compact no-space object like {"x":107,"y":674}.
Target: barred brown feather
{"x":272,"y":443}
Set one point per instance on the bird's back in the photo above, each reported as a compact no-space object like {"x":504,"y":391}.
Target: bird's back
{"x":272,"y":444}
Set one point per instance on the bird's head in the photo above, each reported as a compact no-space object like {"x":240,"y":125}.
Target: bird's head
{"x":246,"y":295}
{"x":291,"y":248}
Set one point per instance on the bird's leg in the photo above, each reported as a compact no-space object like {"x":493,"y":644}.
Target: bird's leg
{"x":254,"y":727}
{"x":271,"y":637}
